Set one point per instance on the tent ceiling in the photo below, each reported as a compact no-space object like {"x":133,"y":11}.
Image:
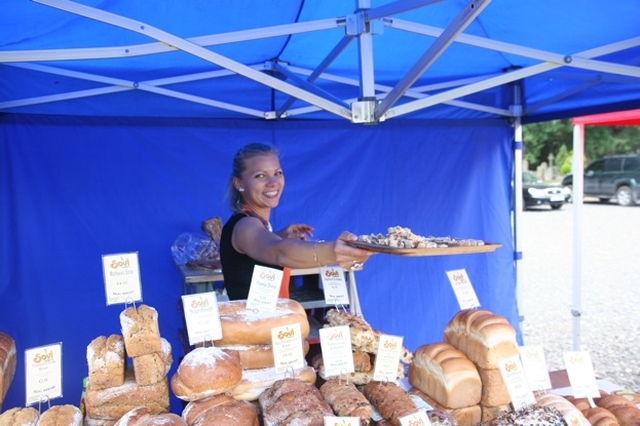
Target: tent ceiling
{"x":363,"y":61}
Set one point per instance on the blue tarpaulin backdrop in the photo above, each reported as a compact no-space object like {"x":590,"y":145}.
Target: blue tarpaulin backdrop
{"x":77,"y":188}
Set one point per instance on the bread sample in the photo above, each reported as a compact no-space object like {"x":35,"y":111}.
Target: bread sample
{"x":446,"y":375}
{"x":465,"y":416}
{"x":20,"y":416}
{"x":205,"y":372}
{"x":484,"y":337}
{"x":242,"y":326}
{"x":7,"y":363}
{"x":106,"y":361}
{"x":494,"y":390}
{"x":140,"y":330}
{"x":61,"y":415}
{"x":154,"y":367}
{"x":256,"y":381}
{"x":390,"y":400}
{"x":113,"y":403}
{"x":257,"y":356}
{"x":346,"y":400}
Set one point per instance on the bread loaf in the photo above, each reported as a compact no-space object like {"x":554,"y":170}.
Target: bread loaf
{"x":166,"y":419}
{"x":132,"y":417}
{"x":256,"y":381}
{"x":242,"y":326}
{"x":154,"y":367}
{"x":140,"y":330}
{"x":205,"y":372}
{"x":595,"y":414}
{"x":465,"y":416}
{"x":446,"y":375}
{"x":390,"y":400}
{"x":194,"y":409}
{"x":106,"y":361}
{"x":494,"y":390}
{"x":20,"y":416}
{"x":257,"y":356}
{"x":61,"y":415}
{"x":484,"y":337}
{"x":292,"y":401}
{"x":7,"y":363}
{"x":346,"y":400}
{"x":234,"y":413}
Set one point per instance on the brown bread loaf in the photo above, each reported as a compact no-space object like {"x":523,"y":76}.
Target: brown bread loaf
{"x":106,"y":361}
{"x":346,"y":400}
{"x":140,"y":330}
{"x":390,"y":400}
{"x":152,"y":368}
{"x":20,"y":416}
{"x":61,"y":415}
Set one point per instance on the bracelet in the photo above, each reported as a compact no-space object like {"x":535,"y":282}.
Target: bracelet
{"x":315,"y":256}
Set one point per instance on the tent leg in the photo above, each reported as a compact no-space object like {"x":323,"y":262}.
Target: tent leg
{"x":577,"y":168}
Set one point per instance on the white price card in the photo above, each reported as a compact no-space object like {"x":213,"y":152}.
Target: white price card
{"x":516,"y":382}
{"x":264,"y":290}
{"x":202,"y":317}
{"x":335,"y":345}
{"x":287,"y":348}
{"x":341,"y":421}
{"x":535,"y":367}
{"x":43,"y":371}
{"x":121,"y":278}
{"x":419,"y":418}
{"x":387,"y":358}
{"x":334,"y":285}
{"x":581,"y":376}
{"x":463,"y":289}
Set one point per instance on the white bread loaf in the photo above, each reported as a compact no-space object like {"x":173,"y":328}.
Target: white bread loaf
{"x":484,"y":337}
{"x":242,"y":326}
{"x":494,"y":391}
{"x":7,"y":363}
{"x":106,"y":361}
{"x":20,"y":416}
{"x":465,"y":416}
{"x":140,"y":330}
{"x":61,"y":415}
{"x":154,"y":367}
{"x":205,"y":372}
{"x":446,"y":375}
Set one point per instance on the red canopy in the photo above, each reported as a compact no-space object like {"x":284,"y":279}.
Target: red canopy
{"x":620,"y":118}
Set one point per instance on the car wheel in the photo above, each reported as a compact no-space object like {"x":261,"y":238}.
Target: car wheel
{"x":570,"y":192}
{"x":623,"y":194}
{"x":556,"y":206}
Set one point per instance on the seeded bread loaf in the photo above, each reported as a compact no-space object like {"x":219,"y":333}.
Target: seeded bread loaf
{"x":153,"y":368}
{"x":140,"y":330}
{"x":106,"y":361}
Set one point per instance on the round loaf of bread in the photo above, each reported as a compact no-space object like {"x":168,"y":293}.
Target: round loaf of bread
{"x":61,"y":415}
{"x":20,"y":416}
{"x":197,"y":408}
{"x":235,"y":413}
{"x":205,"y":372}
{"x":132,"y":417}
{"x":242,"y":326}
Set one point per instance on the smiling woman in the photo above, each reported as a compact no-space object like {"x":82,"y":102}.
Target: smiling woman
{"x":538,"y":193}
{"x":247,"y":240}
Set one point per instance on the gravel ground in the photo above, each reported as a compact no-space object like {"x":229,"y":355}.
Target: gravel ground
{"x":610,"y":322}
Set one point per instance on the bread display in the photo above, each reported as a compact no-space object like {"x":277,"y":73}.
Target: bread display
{"x":346,"y":400}
{"x":61,"y":415}
{"x":446,"y":375}
{"x":106,"y":360}
{"x":7,"y":363}
{"x":140,"y":330}
{"x":256,"y":381}
{"x":20,"y":416}
{"x":154,"y":367}
{"x":390,"y":400}
{"x":291,"y":402}
{"x":204,"y":372}
{"x":242,"y":326}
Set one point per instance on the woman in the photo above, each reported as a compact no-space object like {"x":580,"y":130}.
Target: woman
{"x":247,"y":239}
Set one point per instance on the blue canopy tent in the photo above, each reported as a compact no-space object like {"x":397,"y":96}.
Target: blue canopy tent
{"x":119,"y":121}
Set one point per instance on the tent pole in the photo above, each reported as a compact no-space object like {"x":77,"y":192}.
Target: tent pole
{"x":577,"y":168}
{"x":517,"y":213}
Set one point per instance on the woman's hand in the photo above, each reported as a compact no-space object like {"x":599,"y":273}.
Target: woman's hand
{"x":349,"y":257}
{"x":296,"y":230}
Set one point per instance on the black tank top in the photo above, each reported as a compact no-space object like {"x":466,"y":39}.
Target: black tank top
{"x":237,"y":267}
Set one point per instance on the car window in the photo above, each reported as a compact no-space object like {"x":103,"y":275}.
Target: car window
{"x":529,"y":178}
{"x":596,"y":166}
{"x":631,"y":164}
{"x":613,"y":164}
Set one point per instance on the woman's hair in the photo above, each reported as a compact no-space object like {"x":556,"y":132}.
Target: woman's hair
{"x":239,"y":166}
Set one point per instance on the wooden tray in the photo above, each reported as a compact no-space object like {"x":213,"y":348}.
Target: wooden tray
{"x":435,"y":251}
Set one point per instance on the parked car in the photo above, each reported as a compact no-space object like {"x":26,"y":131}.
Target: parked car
{"x":536,"y":192}
{"x":616,"y":176}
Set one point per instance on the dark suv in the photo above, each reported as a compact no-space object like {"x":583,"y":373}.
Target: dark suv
{"x":614,"y":176}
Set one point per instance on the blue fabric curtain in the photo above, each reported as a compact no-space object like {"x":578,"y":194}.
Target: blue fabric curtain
{"x":76,"y":188}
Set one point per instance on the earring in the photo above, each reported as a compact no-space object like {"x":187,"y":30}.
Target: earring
{"x":241,"y":189}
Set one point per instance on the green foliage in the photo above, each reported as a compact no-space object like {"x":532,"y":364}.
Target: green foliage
{"x":556,"y":138}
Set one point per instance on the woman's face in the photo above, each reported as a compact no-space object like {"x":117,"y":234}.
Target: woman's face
{"x":262,"y":181}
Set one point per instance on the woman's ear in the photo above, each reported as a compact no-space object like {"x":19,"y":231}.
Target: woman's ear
{"x":237,"y":184}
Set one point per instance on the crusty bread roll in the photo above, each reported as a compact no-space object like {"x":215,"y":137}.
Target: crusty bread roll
{"x":256,"y":381}
{"x":242,"y":326}
{"x":346,"y":400}
{"x":445,"y":374}
{"x":61,"y":415}
{"x":465,"y":416}
{"x":7,"y":363}
{"x":484,"y":337}
{"x":257,"y":356}
{"x":205,"y":372}
{"x":20,"y":416}
{"x":140,"y":330}
{"x":106,"y":361}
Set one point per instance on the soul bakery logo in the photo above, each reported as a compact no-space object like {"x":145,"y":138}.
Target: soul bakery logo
{"x":122,"y":263}
{"x":331,"y":273}
{"x":44,"y":357}
{"x":414,"y":420}
{"x":458,"y":277}
{"x":510,"y":366}
{"x":390,"y":344}
{"x":335,"y":335}
{"x":576,"y":359}
{"x":200,"y":303}
{"x":286,"y":334}
{"x":532,"y":354}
